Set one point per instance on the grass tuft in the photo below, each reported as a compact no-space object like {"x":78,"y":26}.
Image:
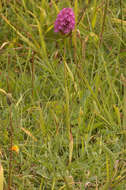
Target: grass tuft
{"x":63,"y":98}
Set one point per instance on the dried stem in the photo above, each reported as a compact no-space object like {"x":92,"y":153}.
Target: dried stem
{"x":82,"y":14}
{"x":103,"y":23}
{"x":121,"y":11}
{"x":11,"y":154}
{"x":33,"y":72}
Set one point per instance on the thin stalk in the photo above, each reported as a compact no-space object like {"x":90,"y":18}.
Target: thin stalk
{"x":103,"y":23}
{"x":124,"y":107}
{"x":8,"y":70}
{"x":121,"y":11}
{"x":1,"y":5}
{"x":69,"y":133}
{"x":33,"y":73}
{"x":10,"y":151}
{"x":75,"y":31}
{"x":82,"y":14}
{"x":66,"y":93}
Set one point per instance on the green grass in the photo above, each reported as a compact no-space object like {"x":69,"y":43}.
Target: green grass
{"x":63,"y":99}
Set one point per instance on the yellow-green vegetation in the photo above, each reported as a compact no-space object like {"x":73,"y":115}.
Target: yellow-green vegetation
{"x":63,"y":97}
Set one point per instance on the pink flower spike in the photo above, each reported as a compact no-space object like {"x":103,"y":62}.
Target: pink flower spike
{"x":65,"y":21}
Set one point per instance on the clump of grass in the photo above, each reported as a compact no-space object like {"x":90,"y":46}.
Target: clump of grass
{"x":66,"y":96}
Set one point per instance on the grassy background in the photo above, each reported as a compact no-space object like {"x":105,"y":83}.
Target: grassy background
{"x":62,"y":99}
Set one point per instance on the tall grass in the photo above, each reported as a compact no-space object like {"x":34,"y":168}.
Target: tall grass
{"x":62,"y":98}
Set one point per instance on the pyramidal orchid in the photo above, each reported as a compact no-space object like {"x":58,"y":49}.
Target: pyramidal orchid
{"x":65,"y":21}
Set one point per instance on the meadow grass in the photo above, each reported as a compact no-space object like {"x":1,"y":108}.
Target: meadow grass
{"x":63,"y":98}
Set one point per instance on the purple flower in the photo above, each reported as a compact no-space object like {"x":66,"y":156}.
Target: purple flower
{"x":65,"y":21}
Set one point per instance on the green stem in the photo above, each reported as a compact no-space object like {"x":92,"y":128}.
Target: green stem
{"x":66,"y":93}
